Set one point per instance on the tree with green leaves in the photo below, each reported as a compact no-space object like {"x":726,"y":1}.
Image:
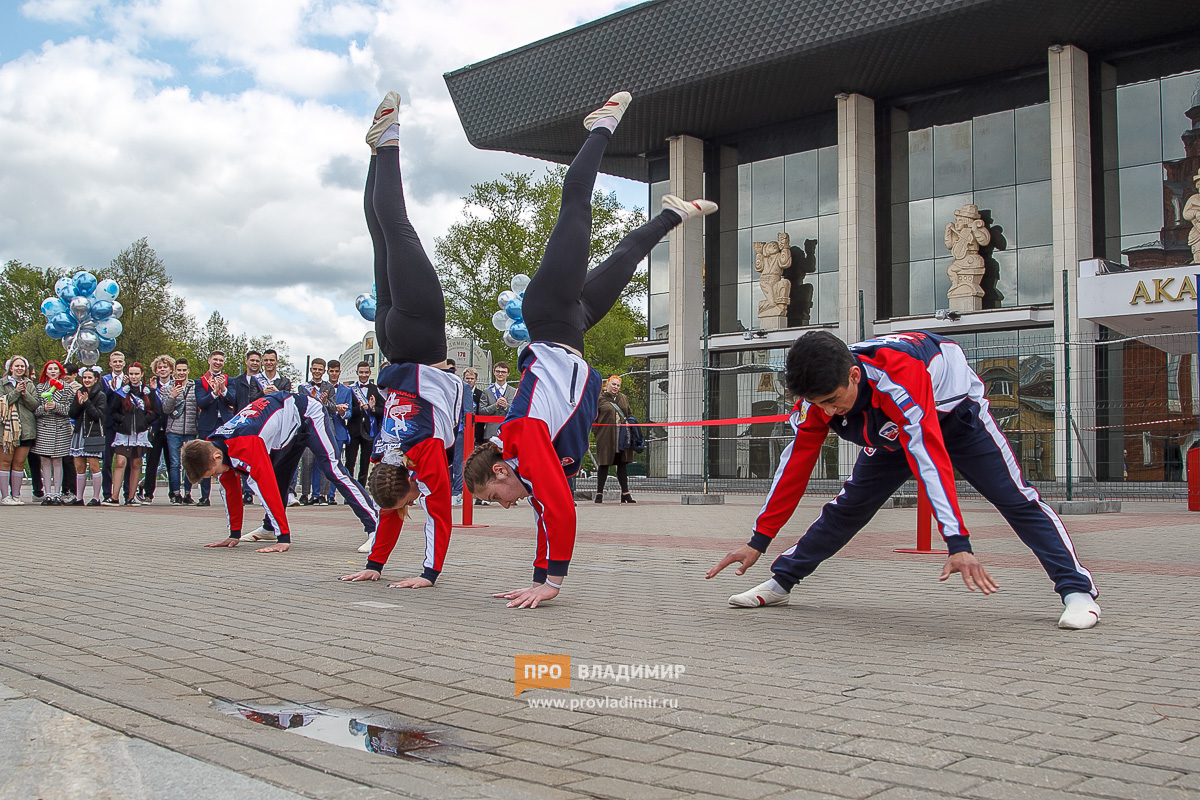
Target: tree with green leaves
{"x":155,"y":320}
{"x":23,"y":287}
{"x":504,"y":231}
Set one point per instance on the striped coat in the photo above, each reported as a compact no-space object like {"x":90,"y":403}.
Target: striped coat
{"x":53,"y":426}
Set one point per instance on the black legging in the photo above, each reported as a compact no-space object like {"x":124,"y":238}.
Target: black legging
{"x":622,"y":477}
{"x":410,"y":324}
{"x":564,"y":298}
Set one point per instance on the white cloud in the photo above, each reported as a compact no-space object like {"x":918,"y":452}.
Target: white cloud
{"x":253,"y":199}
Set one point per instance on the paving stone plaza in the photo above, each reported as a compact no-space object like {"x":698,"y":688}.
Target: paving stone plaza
{"x":121,"y":638}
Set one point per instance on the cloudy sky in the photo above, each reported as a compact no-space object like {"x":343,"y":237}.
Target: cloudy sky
{"x":230,"y":133}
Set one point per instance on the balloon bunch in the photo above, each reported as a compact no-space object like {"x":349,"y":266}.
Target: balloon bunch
{"x":365,"y":303}
{"x":510,"y":318}
{"x":85,"y":316}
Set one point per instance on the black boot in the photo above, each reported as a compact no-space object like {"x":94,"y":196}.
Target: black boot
{"x":628,"y":498}
{"x":599,"y":497}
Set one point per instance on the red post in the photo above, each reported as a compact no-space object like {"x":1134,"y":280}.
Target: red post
{"x":468,"y":506}
{"x":1193,"y":470}
{"x":924,"y":527}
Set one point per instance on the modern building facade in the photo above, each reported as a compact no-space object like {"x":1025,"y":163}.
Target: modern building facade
{"x":843,"y":141}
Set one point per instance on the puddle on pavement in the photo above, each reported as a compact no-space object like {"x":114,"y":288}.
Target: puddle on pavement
{"x":369,"y":729}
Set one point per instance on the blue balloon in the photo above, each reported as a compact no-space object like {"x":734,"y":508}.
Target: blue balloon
{"x":85,"y":283}
{"x":52,"y":306}
{"x":52,"y":331}
{"x":107,"y":289}
{"x":101,"y":309}
{"x":513,"y":309}
{"x":519,"y":331}
{"x":65,"y":290}
{"x":65,"y":323}
{"x":367,"y":306}
{"x":107,"y":345}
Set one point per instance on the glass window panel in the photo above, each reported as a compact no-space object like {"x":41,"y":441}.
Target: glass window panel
{"x":827,"y":251}
{"x":657,"y":190}
{"x":800,"y":185}
{"x":1034,"y":215}
{"x":1006,"y":278}
{"x":952,"y":158}
{"x":827,"y":180}
{"x":920,"y":287}
{"x":900,"y":289}
{"x":1142,"y":200}
{"x":728,"y":299}
{"x":659,"y":259}
{"x":998,"y":207}
{"x":1138,"y":241}
{"x":1177,"y":93}
{"x":747,"y":305}
{"x":659,"y":315}
{"x":1035,"y":275}
{"x":828,"y":307}
{"x":744,"y":186}
{"x":920,"y":164}
{"x":1033,"y":143}
{"x":1112,"y":249}
{"x":943,"y":215}
{"x":745,"y":255}
{"x":941,"y":282}
{"x":767,"y":189}
{"x":994,"y":146}
{"x":728,"y":266}
{"x":1139,"y":124}
{"x":920,"y":230}
{"x":806,"y":246}
{"x":899,"y":232}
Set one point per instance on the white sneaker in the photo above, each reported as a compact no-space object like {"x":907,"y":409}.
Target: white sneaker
{"x":764,"y":594}
{"x":690,"y":208}
{"x":7,"y":501}
{"x":368,"y":545}
{"x":13,"y":500}
{"x":385,"y":116}
{"x":615,"y":108}
{"x":1081,"y":612}
{"x":456,"y":500}
{"x":292,"y":500}
{"x":259,"y":534}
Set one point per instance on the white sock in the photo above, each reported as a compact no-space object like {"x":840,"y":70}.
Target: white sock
{"x":609,"y":123}
{"x":96,"y":480}
{"x":682,"y":214}
{"x":1075,"y":598}
{"x":16,"y":479}
{"x":392,"y":134}
{"x":774,"y":586}
{"x":80,"y":480}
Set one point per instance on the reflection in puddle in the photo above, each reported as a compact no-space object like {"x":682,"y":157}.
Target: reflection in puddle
{"x":367,"y":729}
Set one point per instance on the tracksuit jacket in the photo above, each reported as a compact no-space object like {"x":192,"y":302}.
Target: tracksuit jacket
{"x":544,"y":437}
{"x":420,"y":419}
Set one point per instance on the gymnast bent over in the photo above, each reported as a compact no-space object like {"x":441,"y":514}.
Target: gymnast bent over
{"x":422,"y":399}
{"x":544,"y":436}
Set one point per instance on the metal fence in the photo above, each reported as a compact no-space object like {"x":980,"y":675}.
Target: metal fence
{"x":1106,"y":416}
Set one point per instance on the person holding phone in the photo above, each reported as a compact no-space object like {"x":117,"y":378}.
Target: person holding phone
{"x":89,"y":407}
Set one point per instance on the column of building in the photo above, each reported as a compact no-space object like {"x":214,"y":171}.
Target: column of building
{"x":1071,"y":207}
{"x":687,"y":376}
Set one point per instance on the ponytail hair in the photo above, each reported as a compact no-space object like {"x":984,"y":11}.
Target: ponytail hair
{"x":389,"y":484}
{"x":477,"y":469}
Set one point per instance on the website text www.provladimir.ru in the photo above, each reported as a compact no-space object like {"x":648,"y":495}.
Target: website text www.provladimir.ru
{"x":554,"y":672}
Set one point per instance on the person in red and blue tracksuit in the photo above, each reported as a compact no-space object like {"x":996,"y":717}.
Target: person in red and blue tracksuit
{"x":422,"y":398}
{"x":542,"y":440}
{"x":263,"y":443}
{"x":918,"y":410}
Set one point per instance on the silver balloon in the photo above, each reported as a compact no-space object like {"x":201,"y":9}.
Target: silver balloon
{"x":509,"y":340}
{"x":80,"y":308}
{"x":68,"y":342}
{"x":519,"y":283}
{"x":501,"y":321}
{"x":87,"y":340}
{"x":88,"y":357}
{"x":87,"y":325}
{"x":505,"y":298}
{"x":118,"y":309}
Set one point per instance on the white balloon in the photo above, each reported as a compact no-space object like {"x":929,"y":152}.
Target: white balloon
{"x":501,"y":321}
{"x":519,"y":282}
{"x":505,"y":298}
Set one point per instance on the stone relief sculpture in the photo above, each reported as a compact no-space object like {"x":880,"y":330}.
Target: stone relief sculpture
{"x":1191,"y":213}
{"x":963,"y":239}
{"x":771,"y":259}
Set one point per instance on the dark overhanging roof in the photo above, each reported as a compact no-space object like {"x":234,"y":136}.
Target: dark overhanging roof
{"x":712,"y":68}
